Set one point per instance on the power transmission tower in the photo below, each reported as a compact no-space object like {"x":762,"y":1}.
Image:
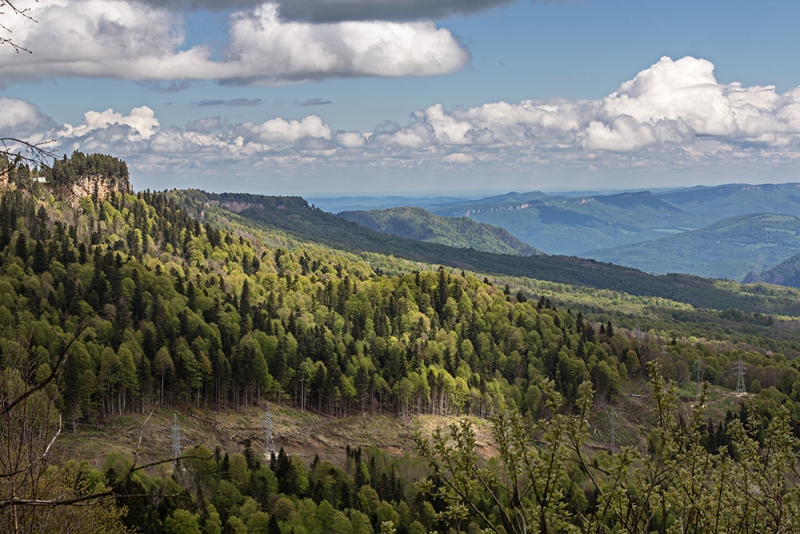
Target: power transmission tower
{"x":740,"y":377}
{"x":699,"y":372}
{"x":176,"y":438}
{"x":612,"y":416}
{"x":269,"y":438}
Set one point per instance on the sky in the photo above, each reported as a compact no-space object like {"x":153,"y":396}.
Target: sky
{"x":458,"y":97}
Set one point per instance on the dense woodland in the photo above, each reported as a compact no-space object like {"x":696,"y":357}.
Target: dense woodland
{"x":173,"y":311}
{"x":295,"y":217}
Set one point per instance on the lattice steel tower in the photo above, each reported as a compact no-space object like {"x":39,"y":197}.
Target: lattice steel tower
{"x":740,"y":377}
{"x":269,"y":438}
{"x":176,"y":438}
{"x":699,"y":372}
{"x":612,"y":415}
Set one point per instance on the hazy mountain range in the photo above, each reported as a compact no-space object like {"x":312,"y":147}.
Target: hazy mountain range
{"x":696,"y":230}
{"x":421,"y":225}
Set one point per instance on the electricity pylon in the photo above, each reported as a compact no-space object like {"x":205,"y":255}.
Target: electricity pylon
{"x":269,"y":438}
{"x":740,"y":377}
{"x":176,"y":438}
{"x":699,"y":372}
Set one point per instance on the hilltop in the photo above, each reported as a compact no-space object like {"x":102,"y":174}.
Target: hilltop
{"x":459,"y":232}
{"x":70,"y":179}
{"x":786,"y":273}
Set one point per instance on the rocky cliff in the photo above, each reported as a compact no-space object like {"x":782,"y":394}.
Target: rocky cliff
{"x":89,"y":185}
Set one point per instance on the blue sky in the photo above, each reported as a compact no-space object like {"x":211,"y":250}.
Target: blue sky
{"x":216,"y":99}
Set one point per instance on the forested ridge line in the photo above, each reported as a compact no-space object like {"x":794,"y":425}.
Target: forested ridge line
{"x":420,"y":225}
{"x":295,"y":216}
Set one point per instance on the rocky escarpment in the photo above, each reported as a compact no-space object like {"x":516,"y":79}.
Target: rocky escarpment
{"x":90,"y":185}
{"x":236,"y":207}
{"x":71,"y":178}
{"x":240,"y":203}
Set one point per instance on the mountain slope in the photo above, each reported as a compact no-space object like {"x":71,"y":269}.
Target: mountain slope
{"x":574,"y":225}
{"x":577,"y":225}
{"x":786,"y":273}
{"x":730,"y":248}
{"x":294,"y":216}
{"x":713,"y":204}
{"x":460,"y":232}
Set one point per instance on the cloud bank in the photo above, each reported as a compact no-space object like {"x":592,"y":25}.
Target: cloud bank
{"x":145,"y":42}
{"x":673,"y":113}
{"x":345,"y":10}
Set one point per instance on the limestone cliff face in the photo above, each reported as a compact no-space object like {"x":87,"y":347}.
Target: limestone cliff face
{"x":238,"y":207}
{"x":88,"y":185}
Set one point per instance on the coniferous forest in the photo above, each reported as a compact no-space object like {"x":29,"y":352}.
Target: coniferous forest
{"x":124,"y":304}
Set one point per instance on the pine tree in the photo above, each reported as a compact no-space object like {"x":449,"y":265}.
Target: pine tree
{"x":40,"y":262}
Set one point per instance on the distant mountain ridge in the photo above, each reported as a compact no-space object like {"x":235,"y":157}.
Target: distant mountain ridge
{"x":731,"y":248}
{"x":596,"y":225}
{"x":574,"y":225}
{"x":420,"y":225}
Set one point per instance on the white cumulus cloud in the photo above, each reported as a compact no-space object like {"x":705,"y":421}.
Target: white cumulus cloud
{"x":281,"y":131}
{"x":21,"y":119}
{"x":136,"y":41}
{"x":669,"y":103}
{"x":673,"y":114}
{"x":141,"y":122}
{"x":265,"y":49}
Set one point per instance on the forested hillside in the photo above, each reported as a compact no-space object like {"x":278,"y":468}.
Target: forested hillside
{"x":294,"y":217}
{"x":786,"y":273}
{"x":731,"y":248}
{"x":420,"y":225}
{"x":187,"y":315}
{"x":214,"y":313}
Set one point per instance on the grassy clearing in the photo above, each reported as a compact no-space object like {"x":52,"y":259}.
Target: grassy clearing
{"x":306,"y":434}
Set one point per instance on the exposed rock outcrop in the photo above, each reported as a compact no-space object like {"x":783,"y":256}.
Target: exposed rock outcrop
{"x":90,"y":185}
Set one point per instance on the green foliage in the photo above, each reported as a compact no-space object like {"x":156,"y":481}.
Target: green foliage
{"x":188,"y":314}
{"x":678,"y":485}
{"x":81,"y":165}
{"x":181,"y":522}
{"x":293,"y":215}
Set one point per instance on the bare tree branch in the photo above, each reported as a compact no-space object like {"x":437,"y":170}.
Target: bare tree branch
{"x":14,"y":10}
{"x":5,"y":503}
{"x":21,"y":151}
{"x":62,"y":357}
